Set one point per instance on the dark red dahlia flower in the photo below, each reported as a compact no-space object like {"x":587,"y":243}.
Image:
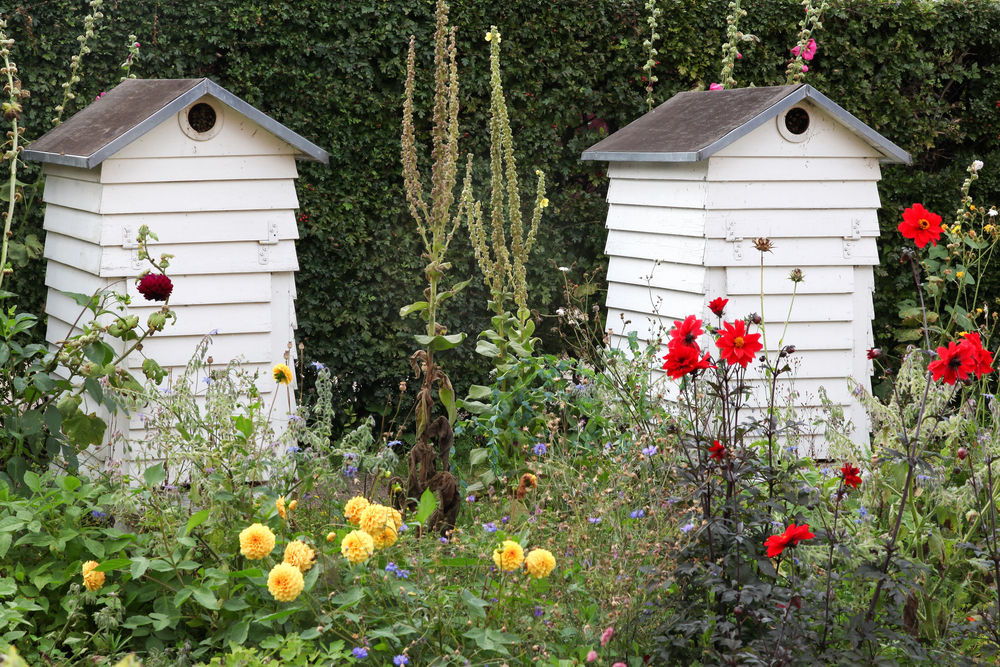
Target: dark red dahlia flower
{"x":718,"y":306}
{"x":155,"y":287}
{"x":852,"y":477}
{"x":682,"y":359}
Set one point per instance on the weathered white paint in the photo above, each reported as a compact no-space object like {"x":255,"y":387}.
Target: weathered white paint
{"x":199,"y":168}
{"x":202,"y":227}
{"x":176,"y":351}
{"x":681,"y":234}
{"x":207,"y":258}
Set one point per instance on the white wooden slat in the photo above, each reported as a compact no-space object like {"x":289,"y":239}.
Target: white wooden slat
{"x":807,"y":389}
{"x":827,"y":138}
{"x":64,"y":308}
{"x":199,"y":320}
{"x":198,"y":196}
{"x":202,"y":227}
{"x":73,"y":222}
{"x":212,"y":289}
{"x":679,"y":249}
{"x":790,"y":252}
{"x":723,"y":223}
{"x":72,"y":252}
{"x":792,"y":169}
{"x":56,"y":329}
{"x":69,"y":279}
{"x":796,"y":195}
{"x":657,"y":220}
{"x":199,"y":168}
{"x":667,"y":303}
{"x":71,"y":193}
{"x":75,"y":173}
{"x":807,"y":308}
{"x":238,"y":136}
{"x":207,"y":258}
{"x":642,"y":272}
{"x":176,"y":351}
{"x":803,"y":335}
{"x":280,"y":316}
{"x":675,"y":194}
{"x":659,"y":171}
{"x":818,"y":280}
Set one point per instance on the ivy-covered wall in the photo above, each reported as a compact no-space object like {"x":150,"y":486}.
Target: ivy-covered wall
{"x":924,"y":74}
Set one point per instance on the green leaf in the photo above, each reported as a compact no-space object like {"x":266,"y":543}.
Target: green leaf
{"x":33,"y":481}
{"x":476,"y":407}
{"x":94,"y":547}
{"x":84,"y":430}
{"x":196,"y":520}
{"x":311,"y":577}
{"x":113,"y":564}
{"x":70,"y":483}
{"x":237,"y":634}
{"x":5,"y":540}
{"x":412,"y":308}
{"x":348,"y":598}
{"x":447,"y":397}
{"x":439,"y":343}
{"x":154,"y":475}
{"x":487,"y":349}
{"x":478,"y":455}
{"x":7,"y":586}
{"x":428,"y":503}
{"x":139,"y":567}
{"x":477,"y":606}
{"x":478,"y":392}
{"x":205,"y":597}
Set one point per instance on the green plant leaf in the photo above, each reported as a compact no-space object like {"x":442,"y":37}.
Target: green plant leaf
{"x":205,"y":597}
{"x":477,"y":606}
{"x":428,"y":503}
{"x":196,"y":520}
{"x":113,"y":564}
{"x":154,"y":475}
{"x":487,"y":349}
{"x":348,"y":598}
{"x":478,"y":455}
{"x":412,"y":308}
{"x":447,"y":397}
{"x":439,"y":343}
{"x":139,"y":567}
{"x":84,"y":430}
{"x":33,"y":481}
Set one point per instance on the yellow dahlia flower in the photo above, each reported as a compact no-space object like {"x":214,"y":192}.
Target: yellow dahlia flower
{"x":280,"y":504}
{"x":300,"y":554}
{"x":509,"y":556}
{"x":282,"y":374}
{"x":354,"y":508}
{"x":375,"y":519}
{"x":92,"y":580}
{"x":540,"y":563}
{"x":385,"y":538}
{"x":331,"y":536}
{"x":256,"y":541}
{"x":285,"y":582}
{"x":357,"y":546}
{"x":397,"y":518}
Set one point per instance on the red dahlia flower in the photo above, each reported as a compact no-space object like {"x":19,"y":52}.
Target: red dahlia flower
{"x":920,"y":225}
{"x":736,"y":346}
{"x":683,"y":359}
{"x":718,"y":306}
{"x":852,"y":478}
{"x":155,"y":287}
{"x":983,"y":358}
{"x":717,"y":451}
{"x":955,"y":363}
{"x":685,"y":333}
{"x":792,"y":536}
{"x":874,"y":353}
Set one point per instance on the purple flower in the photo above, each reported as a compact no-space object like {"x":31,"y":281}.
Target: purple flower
{"x":391,"y":567}
{"x":594,"y":519}
{"x":638,"y":514}
{"x":715,"y":86}
{"x":540,"y":449}
{"x":650,"y":451}
{"x":539,"y":611}
{"x":490,"y":527}
{"x":400,"y":660}
{"x":443,"y":540}
{"x":360,"y":653}
{"x":294,"y":450}
{"x":393,"y":443}
{"x":402,"y":527}
{"x":470,"y":499}
{"x":687,"y":528}
{"x":98,"y":515}
{"x":350,"y":472}
{"x":320,"y":367}
{"x":505,"y":519}
{"x":402,"y":574}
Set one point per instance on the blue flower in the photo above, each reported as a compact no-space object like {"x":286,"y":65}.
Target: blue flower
{"x":391,"y":567}
{"x":470,"y":499}
{"x":540,"y":449}
{"x":350,"y":471}
{"x":393,"y":443}
{"x":539,"y":611}
{"x":360,"y":653}
{"x":402,"y":574}
{"x":443,"y":540}
{"x":294,"y":450}
{"x":402,"y":527}
{"x":99,"y":515}
{"x":687,"y":528}
{"x":490,"y":527}
{"x":638,"y":514}
{"x":594,"y":519}
{"x":505,"y":519}
{"x":320,"y":367}
{"x":400,"y":660}
{"x":862,"y":512}
{"x":651,"y":450}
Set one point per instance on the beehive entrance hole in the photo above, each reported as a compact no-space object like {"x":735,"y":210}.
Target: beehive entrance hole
{"x":202,"y":117}
{"x":797,"y":120}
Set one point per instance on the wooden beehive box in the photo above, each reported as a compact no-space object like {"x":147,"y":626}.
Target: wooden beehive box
{"x":697,"y":179}
{"x":214,"y":179}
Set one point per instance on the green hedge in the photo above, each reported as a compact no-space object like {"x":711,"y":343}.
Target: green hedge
{"x":921,"y":73}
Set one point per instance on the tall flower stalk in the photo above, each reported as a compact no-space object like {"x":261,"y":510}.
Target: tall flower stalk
{"x":89,"y":28}
{"x":12,"y":113}
{"x":650,"y":44}
{"x":806,"y":48}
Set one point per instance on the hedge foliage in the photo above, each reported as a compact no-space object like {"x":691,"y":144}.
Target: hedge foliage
{"x":924,"y":74}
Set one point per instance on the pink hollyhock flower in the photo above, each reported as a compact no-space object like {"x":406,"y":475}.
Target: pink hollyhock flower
{"x":715,"y":86}
{"x":739,"y":56}
{"x":805,"y":68}
{"x":606,"y":636}
{"x":619,"y":664}
{"x":592,"y":656}
{"x":810,"y":51}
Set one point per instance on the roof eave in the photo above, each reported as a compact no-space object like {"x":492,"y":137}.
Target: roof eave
{"x":308,"y":150}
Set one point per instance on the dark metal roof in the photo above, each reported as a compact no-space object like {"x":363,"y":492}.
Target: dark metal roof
{"x":692,"y":126}
{"x":133,"y":108}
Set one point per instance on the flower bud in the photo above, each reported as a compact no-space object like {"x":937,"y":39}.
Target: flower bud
{"x":962,"y":453}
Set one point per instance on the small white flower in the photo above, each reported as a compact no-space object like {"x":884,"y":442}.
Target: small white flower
{"x":564,"y":269}
{"x":977,"y":165}
{"x":560,"y":312}
{"x":992,"y":212}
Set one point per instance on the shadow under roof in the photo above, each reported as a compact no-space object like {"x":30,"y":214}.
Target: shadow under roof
{"x":693,"y":126}
{"x":133,"y":108}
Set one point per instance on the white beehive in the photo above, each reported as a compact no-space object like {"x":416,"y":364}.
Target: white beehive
{"x":214,"y":179}
{"x":696,"y":180}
